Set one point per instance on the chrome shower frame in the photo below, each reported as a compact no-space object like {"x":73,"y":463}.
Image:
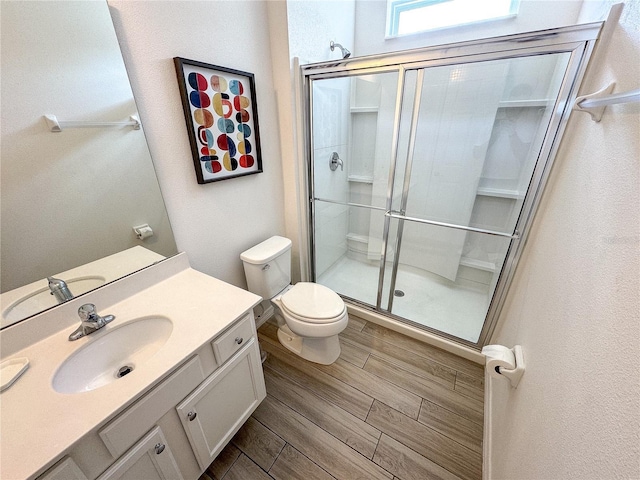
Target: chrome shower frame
{"x":578,"y":41}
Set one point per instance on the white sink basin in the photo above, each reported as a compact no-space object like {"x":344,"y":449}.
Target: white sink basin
{"x":41,"y":299}
{"x":114,"y":353}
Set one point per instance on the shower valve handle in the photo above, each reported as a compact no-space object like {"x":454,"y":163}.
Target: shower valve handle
{"x":334,"y":161}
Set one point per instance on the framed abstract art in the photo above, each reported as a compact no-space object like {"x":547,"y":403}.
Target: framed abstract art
{"x":222,"y":120}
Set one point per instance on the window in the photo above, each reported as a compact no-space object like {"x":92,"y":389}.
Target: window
{"x":412,"y":16}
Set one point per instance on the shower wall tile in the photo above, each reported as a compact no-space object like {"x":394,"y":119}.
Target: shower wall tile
{"x":331,"y":220}
{"x":359,"y":221}
{"x":474,"y":275}
{"x":330,"y":134}
{"x":530,"y":78}
{"x":513,"y":148}
{"x":359,"y":217}
{"x":330,"y":112}
{"x":331,"y":236}
{"x":363,"y":143}
{"x":332,"y":185}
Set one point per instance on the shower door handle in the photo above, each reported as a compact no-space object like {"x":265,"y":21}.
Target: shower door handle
{"x":334,"y":161}
{"x":402,"y":216}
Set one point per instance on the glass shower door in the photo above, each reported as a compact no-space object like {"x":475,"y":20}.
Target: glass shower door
{"x":352,"y":136}
{"x":474,"y":137}
{"x":425,"y":164}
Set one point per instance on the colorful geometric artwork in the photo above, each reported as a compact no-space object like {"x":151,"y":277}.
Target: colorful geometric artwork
{"x":222,"y":120}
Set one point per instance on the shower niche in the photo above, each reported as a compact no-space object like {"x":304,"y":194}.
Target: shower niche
{"x":445,"y":153}
{"x":364,"y":104}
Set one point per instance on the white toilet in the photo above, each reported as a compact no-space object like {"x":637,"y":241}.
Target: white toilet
{"x":310,"y":316}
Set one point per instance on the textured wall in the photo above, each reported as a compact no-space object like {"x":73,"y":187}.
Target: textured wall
{"x":212,"y":223}
{"x":303,"y":29}
{"x":574,"y":305}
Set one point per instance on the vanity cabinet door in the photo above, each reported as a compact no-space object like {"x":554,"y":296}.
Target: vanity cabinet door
{"x":149,"y":459}
{"x":66,"y":469}
{"x":217,"y":409}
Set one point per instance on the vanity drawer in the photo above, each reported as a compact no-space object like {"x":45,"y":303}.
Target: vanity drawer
{"x":237,"y":337}
{"x":134,"y":422}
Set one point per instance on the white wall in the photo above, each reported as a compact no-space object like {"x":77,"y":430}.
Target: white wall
{"x":533,"y":15}
{"x":303,"y":29}
{"x":574,"y":305}
{"x":292,"y":174}
{"x":212,"y":223}
{"x":314,"y":23}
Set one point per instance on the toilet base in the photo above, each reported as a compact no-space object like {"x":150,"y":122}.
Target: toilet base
{"x":324,"y":350}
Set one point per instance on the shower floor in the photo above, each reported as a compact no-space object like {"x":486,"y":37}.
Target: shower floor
{"x":457,"y":308}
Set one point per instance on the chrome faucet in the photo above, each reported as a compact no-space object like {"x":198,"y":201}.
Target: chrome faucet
{"x":90,"y":321}
{"x":59,"y":289}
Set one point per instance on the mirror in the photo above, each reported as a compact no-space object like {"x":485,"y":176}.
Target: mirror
{"x":72,"y":198}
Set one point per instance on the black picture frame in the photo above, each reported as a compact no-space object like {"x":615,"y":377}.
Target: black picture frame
{"x":221,"y":113}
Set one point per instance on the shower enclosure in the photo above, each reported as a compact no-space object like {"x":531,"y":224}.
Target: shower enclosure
{"x":426,"y":167}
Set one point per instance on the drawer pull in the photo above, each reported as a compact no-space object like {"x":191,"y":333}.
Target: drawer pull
{"x":192,"y":416}
{"x":159,"y":448}
{"x":239,"y":335}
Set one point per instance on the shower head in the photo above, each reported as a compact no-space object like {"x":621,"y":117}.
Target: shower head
{"x":345,"y":53}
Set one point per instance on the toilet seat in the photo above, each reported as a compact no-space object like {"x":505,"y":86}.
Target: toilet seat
{"x":312,"y":320}
{"x":313,"y":303}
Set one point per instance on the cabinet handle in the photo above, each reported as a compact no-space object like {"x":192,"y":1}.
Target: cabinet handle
{"x":192,"y":416}
{"x":239,"y":340}
{"x":159,"y":448}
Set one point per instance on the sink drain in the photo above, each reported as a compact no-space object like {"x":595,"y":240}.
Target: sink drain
{"x":398,"y":293}
{"x":122,"y":371}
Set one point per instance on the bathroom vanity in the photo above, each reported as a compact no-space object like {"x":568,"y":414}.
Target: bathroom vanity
{"x":192,"y":378}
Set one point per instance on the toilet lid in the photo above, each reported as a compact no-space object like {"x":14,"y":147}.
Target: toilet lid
{"x":313,"y":302}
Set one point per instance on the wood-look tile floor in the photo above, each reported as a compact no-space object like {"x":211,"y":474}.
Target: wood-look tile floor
{"x":389,"y":408}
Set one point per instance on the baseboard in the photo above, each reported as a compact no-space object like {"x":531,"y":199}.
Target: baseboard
{"x":497,"y":395}
{"x":413,"y":332}
{"x":487,"y":446}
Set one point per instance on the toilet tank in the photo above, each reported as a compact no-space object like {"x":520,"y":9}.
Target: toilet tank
{"x":267,"y":266}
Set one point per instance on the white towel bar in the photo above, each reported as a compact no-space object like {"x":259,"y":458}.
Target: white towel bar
{"x":595,"y":103}
{"x":57,"y":126}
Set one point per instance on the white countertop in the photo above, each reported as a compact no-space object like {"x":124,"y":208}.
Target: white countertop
{"x":101,"y":271}
{"x":38,"y":424}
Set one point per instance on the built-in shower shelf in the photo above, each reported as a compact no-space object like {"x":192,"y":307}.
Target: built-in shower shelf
{"x":360,"y":178}
{"x":359,"y":249}
{"x":364,"y":109}
{"x":358,"y":238}
{"x":500,"y":192}
{"x":478,"y":264}
{"x":539,"y":102}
